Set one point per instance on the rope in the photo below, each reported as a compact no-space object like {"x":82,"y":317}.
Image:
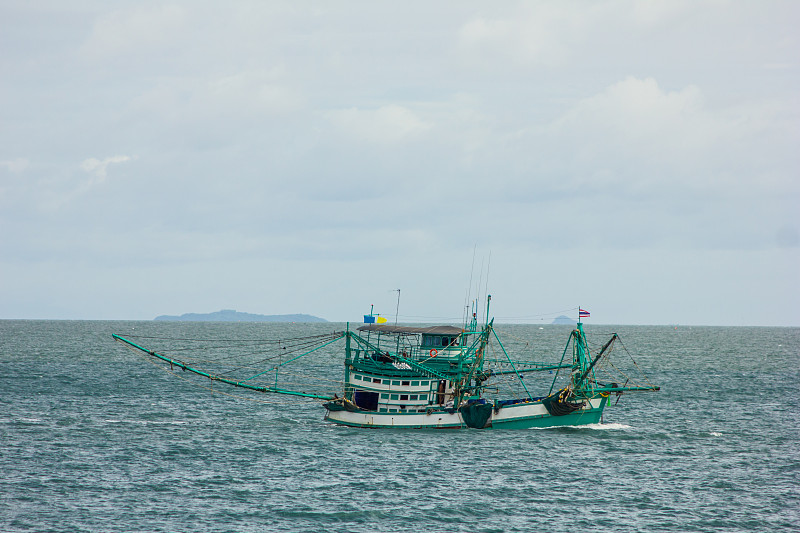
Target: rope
{"x":644,"y":376}
{"x":222,"y":364}
{"x":219,"y":367}
{"x":196,"y":383}
{"x":542,"y":316}
{"x":507,"y":334}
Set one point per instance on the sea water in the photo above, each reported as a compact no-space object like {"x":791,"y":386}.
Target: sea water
{"x":95,"y":438}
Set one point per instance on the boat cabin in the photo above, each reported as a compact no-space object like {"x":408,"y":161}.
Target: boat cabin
{"x":385,"y":377}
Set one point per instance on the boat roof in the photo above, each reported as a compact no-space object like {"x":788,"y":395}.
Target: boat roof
{"x":432,"y":330}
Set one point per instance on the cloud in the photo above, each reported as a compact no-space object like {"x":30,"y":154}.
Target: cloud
{"x":529,"y":39}
{"x":98,"y":168}
{"x":387,"y":124}
{"x":15,"y":166}
{"x":635,"y":132}
{"x":558,"y":33}
{"x":133,"y":30}
{"x":638,"y":111}
{"x":243,"y":97}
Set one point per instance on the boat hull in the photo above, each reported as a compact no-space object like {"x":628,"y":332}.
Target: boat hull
{"x":518,"y":416}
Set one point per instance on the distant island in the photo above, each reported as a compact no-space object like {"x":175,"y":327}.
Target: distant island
{"x":563,"y":319}
{"x":229,"y":315}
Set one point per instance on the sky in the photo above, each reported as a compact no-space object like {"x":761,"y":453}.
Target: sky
{"x":636,"y":159}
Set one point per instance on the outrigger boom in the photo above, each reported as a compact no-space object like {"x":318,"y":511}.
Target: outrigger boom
{"x":235,"y":383}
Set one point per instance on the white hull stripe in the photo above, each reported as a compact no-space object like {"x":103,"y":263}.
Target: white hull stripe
{"x":442,"y":419}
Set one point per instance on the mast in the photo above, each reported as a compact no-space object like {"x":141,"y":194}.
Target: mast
{"x":581,"y":351}
{"x":348,"y":361}
{"x":597,"y":358}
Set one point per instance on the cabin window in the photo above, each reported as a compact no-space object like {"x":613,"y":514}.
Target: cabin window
{"x":384,"y":396}
{"x":415,"y":383}
{"x":376,"y":380}
{"x":383,"y":410}
{"x":395,"y":383}
{"x":406,"y":383}
{"x":431,"y":340}
{"x":445,"y":341}
{"x":403,"y":397}
{"x":357,"y":376}
{"x":423,"y":397}
{"x":394,"y":396}
{"x":413,"y":397}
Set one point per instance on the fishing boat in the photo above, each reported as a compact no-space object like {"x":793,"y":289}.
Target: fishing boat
{"x":443,"y":377}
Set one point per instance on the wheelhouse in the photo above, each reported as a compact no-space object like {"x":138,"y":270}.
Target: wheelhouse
{"x":384,"y":371}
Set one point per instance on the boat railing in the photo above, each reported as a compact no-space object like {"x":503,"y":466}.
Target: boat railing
{"x":426,"y":353}
{"x":382,"y":360}
{"x":414,"y":353}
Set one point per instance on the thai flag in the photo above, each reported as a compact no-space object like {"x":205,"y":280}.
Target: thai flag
{"x":582,"y":313}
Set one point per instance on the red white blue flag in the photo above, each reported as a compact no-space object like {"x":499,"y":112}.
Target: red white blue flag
{"x":582,"y":313}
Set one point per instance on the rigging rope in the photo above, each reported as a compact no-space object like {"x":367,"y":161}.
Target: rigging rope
{"x":221,"y":367}
{"x":196,"y":383}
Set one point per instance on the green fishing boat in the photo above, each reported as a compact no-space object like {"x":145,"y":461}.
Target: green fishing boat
{"x":399,"y":376}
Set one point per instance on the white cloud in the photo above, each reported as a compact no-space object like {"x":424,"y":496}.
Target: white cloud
{"x":387,"y":124}
{"x":658,"y":12}
{"x":638,"y":134}
{"x":98,"y":167}
{"x":554,"y":34}
{"x":636,"y":120}
{"x":539,"y":36}
{"x":15,"y":166}
{"x":633,"y":108}
{"x":134,"y":30}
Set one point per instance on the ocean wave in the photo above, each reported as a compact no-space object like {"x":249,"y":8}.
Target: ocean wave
{"x":146,"y":422}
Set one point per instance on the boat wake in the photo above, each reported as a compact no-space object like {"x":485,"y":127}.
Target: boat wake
{"x":611,"y":426}
{"x":601,"y":427}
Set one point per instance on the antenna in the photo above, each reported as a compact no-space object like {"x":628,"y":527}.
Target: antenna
{"x":486,"y":286}
{"x":480,"y":282}
{"x":468,"y":296}
{"x":397,"y":311}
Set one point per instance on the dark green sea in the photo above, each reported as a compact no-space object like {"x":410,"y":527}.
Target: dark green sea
{"x":95,"y":438}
